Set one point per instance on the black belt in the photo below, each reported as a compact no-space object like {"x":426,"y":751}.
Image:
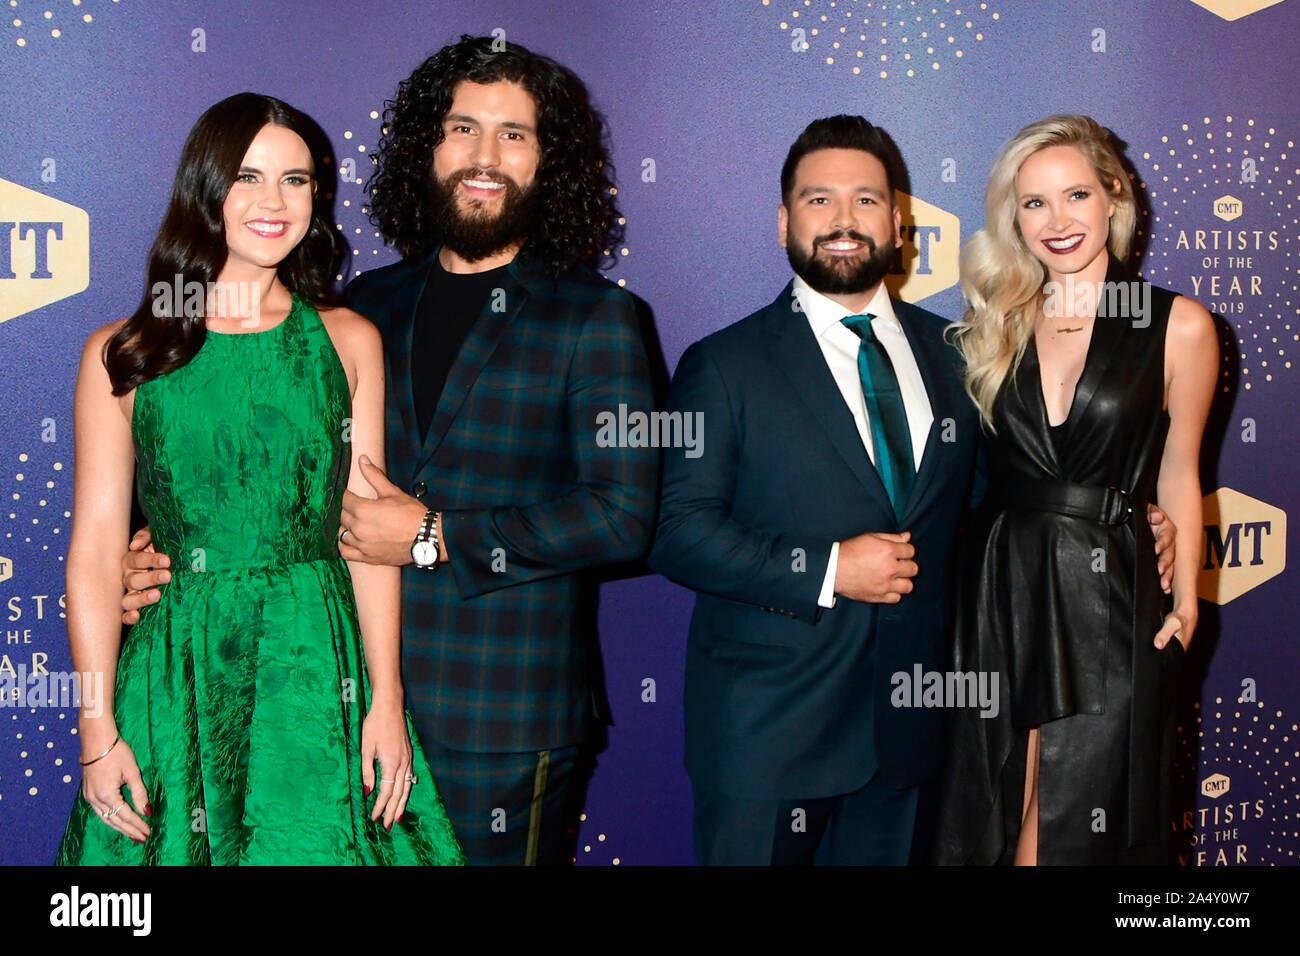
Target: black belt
{"x":1107,"y":505}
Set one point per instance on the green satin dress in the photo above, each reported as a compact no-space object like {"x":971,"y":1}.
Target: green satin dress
{"x":243,"y":690}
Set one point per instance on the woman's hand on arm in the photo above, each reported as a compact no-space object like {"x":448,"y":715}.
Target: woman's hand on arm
{"x":1192,"y":361}
{"x":102,"y":486}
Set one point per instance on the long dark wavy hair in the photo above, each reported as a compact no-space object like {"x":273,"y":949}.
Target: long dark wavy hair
{"x":191,"y":241}
{"x":578,"y":220}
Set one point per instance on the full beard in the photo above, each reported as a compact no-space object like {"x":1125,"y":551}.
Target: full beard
{"x":842,"y":275}
{"x":476,"y":235}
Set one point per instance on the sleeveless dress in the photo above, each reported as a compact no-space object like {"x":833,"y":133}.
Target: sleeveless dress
{"x":1061,"y":600}
{"x":242,"y":691}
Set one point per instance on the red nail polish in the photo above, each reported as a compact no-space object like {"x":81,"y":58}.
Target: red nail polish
{"x":389,"y":828}
{"x":148,"y":810}
{"x":368,"y":790}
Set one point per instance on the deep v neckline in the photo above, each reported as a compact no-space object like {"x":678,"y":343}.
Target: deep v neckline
{"x":1096,"y":360}
{"x":1074,"y":395}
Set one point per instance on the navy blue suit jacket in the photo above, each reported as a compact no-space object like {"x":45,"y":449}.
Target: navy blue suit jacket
{"x":785,"y":699}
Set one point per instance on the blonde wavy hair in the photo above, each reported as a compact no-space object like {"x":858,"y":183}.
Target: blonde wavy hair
{"x":1000,"y":279}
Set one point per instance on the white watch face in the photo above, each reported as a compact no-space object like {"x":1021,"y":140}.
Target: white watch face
{"x":424,"y":553}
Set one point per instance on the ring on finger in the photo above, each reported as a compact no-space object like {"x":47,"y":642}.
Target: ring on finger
{"x":387,"y":781}
{"x":412,"y":778}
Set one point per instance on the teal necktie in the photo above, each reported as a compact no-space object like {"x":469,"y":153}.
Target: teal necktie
{"x":891,"y":439}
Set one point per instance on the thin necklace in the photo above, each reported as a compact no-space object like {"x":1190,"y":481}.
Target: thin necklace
{"x":1067,"y":329}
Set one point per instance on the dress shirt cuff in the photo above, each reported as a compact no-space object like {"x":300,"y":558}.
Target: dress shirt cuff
{"x":827,"y":597}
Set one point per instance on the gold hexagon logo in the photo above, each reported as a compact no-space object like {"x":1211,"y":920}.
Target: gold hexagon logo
{"x":44,"y":250}
{"x":1235,"y":9}
{"x":928,"y":261}
{"x":6,"y":568}
{"x":1216,"y":785}
{"x":1228,"y":208}
{"x":1242,"y":546}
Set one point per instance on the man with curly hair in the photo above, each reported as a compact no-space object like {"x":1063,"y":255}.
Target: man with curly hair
{"x":503,"y":346}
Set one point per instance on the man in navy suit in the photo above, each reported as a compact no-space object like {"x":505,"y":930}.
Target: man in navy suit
{"x":818,"y":531}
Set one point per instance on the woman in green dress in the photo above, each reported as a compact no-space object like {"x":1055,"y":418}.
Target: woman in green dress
{"x":256,"y":713}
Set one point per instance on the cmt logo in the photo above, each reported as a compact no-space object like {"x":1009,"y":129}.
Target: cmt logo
{"x":1216,"y":785}
{"x":6,"y":569}
{"x":1227,"y":208}
{"x":44,"y":250}
{"x":1235,"y":9}
{"x":1243,"y":546}
{"x":927,"y":262}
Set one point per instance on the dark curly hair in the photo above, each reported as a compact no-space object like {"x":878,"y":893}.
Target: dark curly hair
{"x":578,"y":220}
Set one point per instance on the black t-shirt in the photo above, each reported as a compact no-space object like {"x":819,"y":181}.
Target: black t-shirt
{"x":450,"y":306}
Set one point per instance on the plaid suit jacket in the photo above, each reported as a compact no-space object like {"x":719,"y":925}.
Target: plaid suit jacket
{"x":497,"y":645}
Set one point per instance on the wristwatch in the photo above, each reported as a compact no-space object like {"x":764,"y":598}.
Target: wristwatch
{"x":424,"y":552}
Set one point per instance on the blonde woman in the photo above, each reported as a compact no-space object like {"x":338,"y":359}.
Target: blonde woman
{"x":1093,"y":390}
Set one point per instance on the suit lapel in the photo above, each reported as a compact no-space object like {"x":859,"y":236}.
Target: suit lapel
{"x":938,"y":382}
{"x":403,"y":308}
{"x":484,"y":336}
{"x":794,"y":350}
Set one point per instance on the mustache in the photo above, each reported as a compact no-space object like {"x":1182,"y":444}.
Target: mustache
{"x":475,"y":172}
{"x":846,"y":234}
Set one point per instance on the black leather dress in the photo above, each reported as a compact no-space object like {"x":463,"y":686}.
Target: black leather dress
{"x":1061,"y":600}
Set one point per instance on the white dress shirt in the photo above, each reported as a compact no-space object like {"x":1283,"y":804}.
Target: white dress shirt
{"x":839,"y":346}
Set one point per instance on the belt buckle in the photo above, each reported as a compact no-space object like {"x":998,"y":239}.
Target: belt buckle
{"x":1122,"y":501}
